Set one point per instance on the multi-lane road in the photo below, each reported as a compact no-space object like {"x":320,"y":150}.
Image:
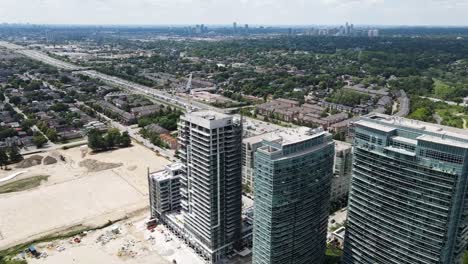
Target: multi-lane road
{"x":131,"y":87}
{"x":37,"y":55}
{"x":112,"y":80}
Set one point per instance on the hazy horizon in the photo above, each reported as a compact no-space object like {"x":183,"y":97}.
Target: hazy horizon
{"x":443,"y":13}
{"x":230,"y":25}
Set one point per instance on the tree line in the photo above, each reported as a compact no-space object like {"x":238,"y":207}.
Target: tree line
{"x":8,"y":156}
{"x":98,"y":141}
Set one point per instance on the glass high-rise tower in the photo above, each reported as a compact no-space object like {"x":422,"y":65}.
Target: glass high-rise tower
{"x":293,"y":171}
{"x":408,"y":193}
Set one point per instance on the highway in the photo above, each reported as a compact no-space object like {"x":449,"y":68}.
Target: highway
{"x":37,"y":55}
{"x":141,"y":89}
{"x":121,"y":83}
{"x":130,"y":87}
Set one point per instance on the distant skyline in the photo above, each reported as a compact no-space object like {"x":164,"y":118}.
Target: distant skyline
{"x":261,"y":12}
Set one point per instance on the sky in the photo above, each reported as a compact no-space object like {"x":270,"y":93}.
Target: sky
{"x":254,"y":12}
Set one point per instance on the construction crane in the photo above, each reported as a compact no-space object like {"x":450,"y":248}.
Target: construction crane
{"x":188,"y":87}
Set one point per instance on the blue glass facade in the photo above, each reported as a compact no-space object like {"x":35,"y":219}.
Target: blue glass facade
{"x":408,"y":193}
{"x":292,"y":192}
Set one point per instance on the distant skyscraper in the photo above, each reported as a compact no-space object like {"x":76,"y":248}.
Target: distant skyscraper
{"x":293,"y":171}
{"x":50,"y":36}
{"x":342,"y":31}
{"x":234,"y":27}
{"x":211,"y":188}
{"x":373,"y":33}
{"x":408,"y":198}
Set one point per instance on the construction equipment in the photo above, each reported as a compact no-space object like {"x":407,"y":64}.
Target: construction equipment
{"x":188,"y":87}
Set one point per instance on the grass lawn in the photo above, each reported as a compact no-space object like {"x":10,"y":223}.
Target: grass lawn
{"x":442,"y":90}
{"x":451,"y":117}
{"x":12,"y":261}
{"x":22,"y":185}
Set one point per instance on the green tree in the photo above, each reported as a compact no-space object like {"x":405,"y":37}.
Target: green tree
{"x":14,"y":154}
{"x":8,"y":132}
{"x":52,"y":134}
{"x":39,"y":140}
{"x":423,"y":114}
{"x":112,"y":138}
{"x":3,"y":158}
{"x":95,"y":140}
{"x":59,"y":107}
{"x":125,"y":140}
{"x":27,"y":124}
{"x":15,"y":100}
{"x":339,"y":136}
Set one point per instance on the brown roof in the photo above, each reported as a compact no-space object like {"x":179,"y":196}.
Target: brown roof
{"x":168,"y":138}
{"x":287,"y":101}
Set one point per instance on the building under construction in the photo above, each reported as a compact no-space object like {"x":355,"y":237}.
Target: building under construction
{"x":210,"y":215}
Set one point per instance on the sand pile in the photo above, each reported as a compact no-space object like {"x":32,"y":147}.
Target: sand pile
{"x":29,"y":162}
{"x":49,"y":160}
{"x":95,"y":165}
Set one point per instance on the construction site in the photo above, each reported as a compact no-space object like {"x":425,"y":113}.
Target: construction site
{"x":130,"y":241}
{"x":124,"y":242}
{"x":61,"y":190}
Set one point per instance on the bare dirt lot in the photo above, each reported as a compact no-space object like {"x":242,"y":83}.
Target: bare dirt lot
{"x":75,"y":195}
{"x":131,"y":244}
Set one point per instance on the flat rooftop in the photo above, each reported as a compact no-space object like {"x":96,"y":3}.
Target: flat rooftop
{"x":444,"y":141}
{"x":210,"y":119}
{"x":293,"y":135}
{"x":380,"y":127}
{"x":167,"y":172}
{"x":340,"y":145}
{"x":437,"y":132}
{"x":209,"y":115}
{"x":256,"y":139}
